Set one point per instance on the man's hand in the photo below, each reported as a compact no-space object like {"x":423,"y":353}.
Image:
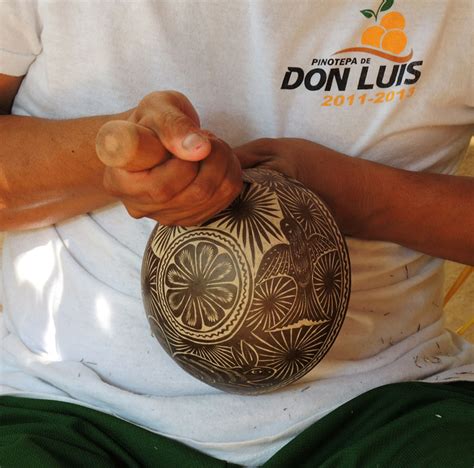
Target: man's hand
{"x":431,"y":213}
{"x":327,"y":173}
{"x":162,"y":165}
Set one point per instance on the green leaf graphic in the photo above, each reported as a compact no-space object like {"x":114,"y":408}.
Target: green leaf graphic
{"x":368,"y":13}
{"x":387,"y":4}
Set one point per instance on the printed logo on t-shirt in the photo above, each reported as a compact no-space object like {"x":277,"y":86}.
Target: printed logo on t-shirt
{"x":380,"y":61}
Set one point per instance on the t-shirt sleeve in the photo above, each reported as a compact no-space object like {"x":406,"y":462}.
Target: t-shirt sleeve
{"x":20,"y":36}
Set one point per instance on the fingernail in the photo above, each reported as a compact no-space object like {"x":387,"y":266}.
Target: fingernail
{"x":193,"y":142}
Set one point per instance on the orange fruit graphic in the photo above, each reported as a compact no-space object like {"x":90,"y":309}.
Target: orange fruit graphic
{"x":372,"y":36}
{"x":393,"y":20}
{"x":394,"y":41}
{"x":388,"y":35}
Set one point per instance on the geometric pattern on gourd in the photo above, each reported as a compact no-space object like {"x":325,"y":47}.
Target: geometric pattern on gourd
{"x":251,"y":217}
{"x":204,"y":285}
{"x":216,"y":354}
{"x":296,"y":246}
{"x":301,"y":205}
{"x":328,"y":281}
{"x":150,"y":266}
{"x":163,"y":235}
{"x":291,"y":352}
{"x":266,"y":177}
{"x":272,"y":300}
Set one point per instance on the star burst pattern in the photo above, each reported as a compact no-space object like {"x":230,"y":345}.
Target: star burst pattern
{"x":327,"y":280}
{"x":252,"y":217}
{"x":163,"y":235}
{"x":266,"y":177}
{"x":306,"y":210}
{"x":273,"y":300}
{"x":148,"y":278}
{"x":292,"y":351}
{"x":217,"y":355}
{"x":237,"y":330}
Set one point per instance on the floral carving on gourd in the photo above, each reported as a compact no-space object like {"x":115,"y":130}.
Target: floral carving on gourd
{"x":201,"y":285}
{"x":253,"y":298}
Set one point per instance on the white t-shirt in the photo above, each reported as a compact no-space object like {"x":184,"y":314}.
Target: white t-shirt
{"x":74,"y":328}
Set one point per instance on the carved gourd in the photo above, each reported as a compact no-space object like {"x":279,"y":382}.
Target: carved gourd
{"x":254,"y":298}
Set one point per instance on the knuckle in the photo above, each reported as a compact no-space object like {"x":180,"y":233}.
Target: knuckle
{"x":177,"y":96}
{"x":155,"y":98}
{"x":134,"y":213}
{"x":164,"y":94}
{"x":118,"y":183}
{"x":144,"y":105}
{"x":161,"y":194}
{"x":201,"y":191}
{"x":231,"y":188}
{"x":151,"y":98}
{"x":172,"y":122}
{"x":167,"y":118}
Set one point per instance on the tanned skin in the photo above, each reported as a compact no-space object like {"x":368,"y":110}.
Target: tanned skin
{"x":180,"y":174}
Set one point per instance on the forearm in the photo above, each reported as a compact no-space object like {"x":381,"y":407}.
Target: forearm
{"x":431,"y":213}
{"x":49,"y":170}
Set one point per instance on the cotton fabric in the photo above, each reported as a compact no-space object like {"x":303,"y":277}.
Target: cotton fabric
{"x":74,"y":328}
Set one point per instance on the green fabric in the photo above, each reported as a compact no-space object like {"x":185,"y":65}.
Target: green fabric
{"x":53,"y":434}
{"x":409,"y":424}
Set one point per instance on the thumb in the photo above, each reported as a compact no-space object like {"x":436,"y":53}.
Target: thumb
{"x":176,"y":123}
{"x":250,"y":159}
{"x":246,"y":159}
{"x":259,"y":152}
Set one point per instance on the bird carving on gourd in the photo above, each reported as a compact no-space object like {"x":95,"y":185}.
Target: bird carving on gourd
{"x":295,"y":260}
